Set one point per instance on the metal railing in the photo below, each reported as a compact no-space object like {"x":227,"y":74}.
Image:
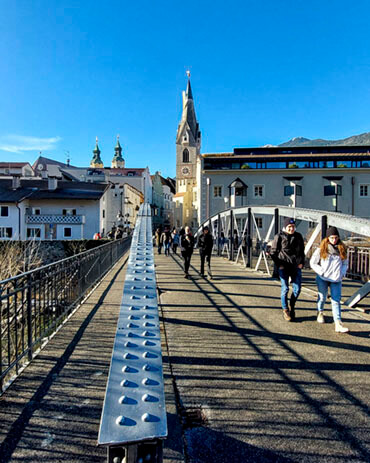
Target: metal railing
{"x":134,"y":423}
{"x":35,"y":303}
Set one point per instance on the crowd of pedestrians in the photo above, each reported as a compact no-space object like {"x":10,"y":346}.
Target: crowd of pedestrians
{"x":329,"y":262}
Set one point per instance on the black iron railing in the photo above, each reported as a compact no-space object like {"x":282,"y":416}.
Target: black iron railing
{"x":35,"y":303}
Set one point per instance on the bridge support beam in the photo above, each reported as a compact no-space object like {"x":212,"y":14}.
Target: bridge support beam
{"x":231,"y":240}
{"x":249,"y":238}
{"x":151,"y":452}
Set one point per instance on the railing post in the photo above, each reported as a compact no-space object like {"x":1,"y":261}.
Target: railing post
{"x":276,"y":222}
{"x":29,"y":316}
{"x":218,"y":234}
{"x":231,"y":240}
{"x":324,"y":226}
{"x":249,"y":238}
{"x":275,"y":273}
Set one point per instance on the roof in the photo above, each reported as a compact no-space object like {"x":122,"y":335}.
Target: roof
{"x":303,"y":151}
{"x":14,"y":164}
{"x":179,"y":195}
{"x":38,"y":189}
{"x":46,"y":161}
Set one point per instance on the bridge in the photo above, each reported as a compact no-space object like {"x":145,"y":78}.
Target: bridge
{"x":240,"y":384}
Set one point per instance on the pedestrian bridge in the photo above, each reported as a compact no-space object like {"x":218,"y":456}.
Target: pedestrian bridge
{"x":240,"y":383}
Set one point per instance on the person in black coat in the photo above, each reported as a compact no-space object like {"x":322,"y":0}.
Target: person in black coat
{"x":187,"y":247}
{"x":205,"y":246}
{"x":287,"y":252}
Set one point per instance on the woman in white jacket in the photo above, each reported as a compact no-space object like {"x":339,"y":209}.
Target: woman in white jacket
{"x":330,"y":263}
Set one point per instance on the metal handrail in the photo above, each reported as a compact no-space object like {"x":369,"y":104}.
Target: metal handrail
{"x":33,"y":304}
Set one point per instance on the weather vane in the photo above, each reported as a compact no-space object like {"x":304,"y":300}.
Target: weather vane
{"x":188,"y":73}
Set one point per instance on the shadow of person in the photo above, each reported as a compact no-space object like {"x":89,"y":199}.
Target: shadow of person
{"x":204,"y":445}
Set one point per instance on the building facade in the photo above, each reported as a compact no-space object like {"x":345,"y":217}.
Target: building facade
{"x":328,"y":178}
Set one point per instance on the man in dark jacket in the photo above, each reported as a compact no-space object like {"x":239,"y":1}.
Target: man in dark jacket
{"x":287,"y":252}
{"x":187,"y":246}
{"x":205,"y":246}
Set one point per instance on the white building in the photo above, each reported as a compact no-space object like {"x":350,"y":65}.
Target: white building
{"x":50,"y":209}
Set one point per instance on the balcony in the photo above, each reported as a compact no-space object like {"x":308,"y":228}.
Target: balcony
{"x":56,"y":219}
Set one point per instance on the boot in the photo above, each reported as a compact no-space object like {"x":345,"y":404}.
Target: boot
{"x":339,"y":328}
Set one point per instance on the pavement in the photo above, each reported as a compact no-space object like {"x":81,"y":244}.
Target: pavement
{"x":241,"y":384}
{"x":251,"y":387}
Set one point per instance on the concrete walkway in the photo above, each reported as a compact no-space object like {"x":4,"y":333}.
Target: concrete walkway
{"x":241,"y":384}
{"x":250,"y":387}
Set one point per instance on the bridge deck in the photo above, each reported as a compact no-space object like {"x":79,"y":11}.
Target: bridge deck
{"x":269,"y":390}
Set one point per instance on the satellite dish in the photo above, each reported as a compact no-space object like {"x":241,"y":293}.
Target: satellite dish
{"x":40,"y":166}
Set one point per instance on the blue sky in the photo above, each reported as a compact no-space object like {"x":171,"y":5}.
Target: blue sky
{"x":261,"y":72}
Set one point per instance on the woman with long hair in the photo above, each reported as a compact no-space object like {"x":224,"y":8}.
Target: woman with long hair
{"x":330,"y":263}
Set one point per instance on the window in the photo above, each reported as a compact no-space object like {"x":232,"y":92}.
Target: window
{"x":33,"y":233}
{"x":258,"y":191}
{"x":194,"y":195}
{"x":6,"y":232}
{"x":103,"y":213}
{"x":364,"y":191}
{"x":185,"y":155}
{"x":217,"y":191}
{"x":4,"y":211}
{"x":69,"y":211}
{"x":36,"y":211}
{"x":67,"y":232}
{"x":312,"y":224}
{"x":259,"y":222}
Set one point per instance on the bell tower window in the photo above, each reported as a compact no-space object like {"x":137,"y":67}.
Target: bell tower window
{"x":185,"y":155}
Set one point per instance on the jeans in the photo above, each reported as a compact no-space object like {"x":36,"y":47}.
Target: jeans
{"x":296,"y":280}
{"x":187,"y":259}
{"x":167,"y":249}
{"x":335,"y":293}
{"x":203,"y":257}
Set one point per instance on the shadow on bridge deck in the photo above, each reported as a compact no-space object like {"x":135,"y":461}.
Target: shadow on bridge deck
{"x":51,"y":412}
{"x":264,"y":389}
{"x":253,"y":387}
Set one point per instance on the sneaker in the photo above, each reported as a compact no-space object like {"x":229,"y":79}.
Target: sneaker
{"x":292,"y":315}
{"x":339,"y":328}
{"x":286,"y":315}
{"x":320,"y":317}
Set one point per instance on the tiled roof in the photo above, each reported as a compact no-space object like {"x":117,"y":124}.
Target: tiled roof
{"x":38,"y":189}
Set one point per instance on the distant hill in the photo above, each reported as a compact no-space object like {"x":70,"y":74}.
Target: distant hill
{"x":363,"y":139}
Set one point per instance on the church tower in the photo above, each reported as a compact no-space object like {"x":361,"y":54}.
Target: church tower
{"x":188,"y":141}
{"x":96,"y":161}
{"x":118,"y":161}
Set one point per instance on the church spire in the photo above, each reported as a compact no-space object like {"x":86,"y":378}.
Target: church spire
{"x":118,"y":161}
{"x":188,"y":127}
{"x":96,"y":160}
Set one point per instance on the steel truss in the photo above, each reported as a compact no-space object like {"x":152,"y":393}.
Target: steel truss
{"x":237,"y":228}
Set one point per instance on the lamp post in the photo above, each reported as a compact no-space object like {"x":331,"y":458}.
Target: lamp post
{"x":226,"y":199}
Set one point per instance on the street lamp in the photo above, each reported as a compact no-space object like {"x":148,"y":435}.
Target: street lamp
{"x":226,"y":199}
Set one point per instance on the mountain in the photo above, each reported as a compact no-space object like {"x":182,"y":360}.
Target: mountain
{"x":363,"y":139}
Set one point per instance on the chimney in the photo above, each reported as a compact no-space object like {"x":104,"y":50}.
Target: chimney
{"x":52,"y":183}
{"x":16,"y":182}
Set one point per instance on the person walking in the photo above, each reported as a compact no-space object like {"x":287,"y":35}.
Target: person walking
{"x":205,"y":246}
{"x":187,"y":247}
{"x":158,"y":240}
{"x":175,"y":240}
{"x":330,"y":263}
{"x":287,"y":252}
{"x":166,"y":240}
